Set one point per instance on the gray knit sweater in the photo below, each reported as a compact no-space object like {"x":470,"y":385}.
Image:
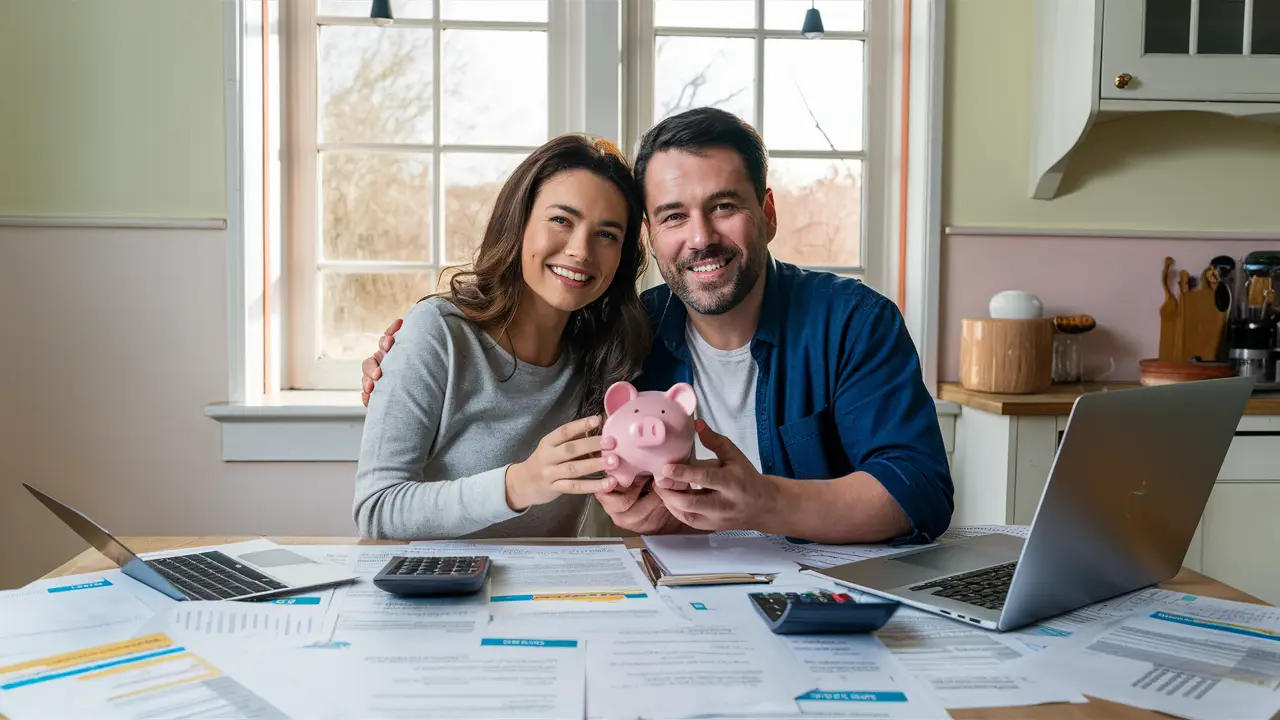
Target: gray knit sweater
{"x":445,"y":421}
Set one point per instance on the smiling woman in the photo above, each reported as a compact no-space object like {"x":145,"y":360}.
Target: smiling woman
{"x":455,"y":440}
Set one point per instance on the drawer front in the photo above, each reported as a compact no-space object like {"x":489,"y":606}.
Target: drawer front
{"x":1253,"y":456}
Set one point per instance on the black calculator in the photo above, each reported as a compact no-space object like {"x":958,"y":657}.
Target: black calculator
{"x":816,"y":613}
{"x":421,"y":576}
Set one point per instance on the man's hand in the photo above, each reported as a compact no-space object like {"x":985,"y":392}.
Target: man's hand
{"x":635,"y":510}
{"x":734,"y":495}
{"x":642,"y":514}
{"x":372,"y":366}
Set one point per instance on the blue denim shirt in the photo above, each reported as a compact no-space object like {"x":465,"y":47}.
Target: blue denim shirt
{"x":839,"y":389}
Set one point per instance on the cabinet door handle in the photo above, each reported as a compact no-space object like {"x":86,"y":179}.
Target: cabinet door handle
{"x":1123,"y":79}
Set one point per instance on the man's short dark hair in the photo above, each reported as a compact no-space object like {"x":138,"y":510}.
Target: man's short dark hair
{"x":698,"y":130}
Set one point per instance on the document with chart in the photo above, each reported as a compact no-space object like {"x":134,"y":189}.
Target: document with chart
{"x":1204,"y":660}
{"x":144,"y":677}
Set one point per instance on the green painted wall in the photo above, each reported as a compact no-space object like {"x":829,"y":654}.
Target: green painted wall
{"x":112,"y":108}
{"x":1162,"y":171}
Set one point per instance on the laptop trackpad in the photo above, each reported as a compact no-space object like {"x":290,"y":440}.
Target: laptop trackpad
{"x":948,"y":560}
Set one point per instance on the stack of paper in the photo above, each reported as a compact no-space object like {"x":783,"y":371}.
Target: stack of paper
{"x":1203,"y":659}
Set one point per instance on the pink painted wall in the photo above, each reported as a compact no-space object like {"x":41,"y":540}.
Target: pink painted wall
{"x":1116,"y":280}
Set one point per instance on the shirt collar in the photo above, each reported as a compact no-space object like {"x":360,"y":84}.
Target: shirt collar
{"x":675,"y":315}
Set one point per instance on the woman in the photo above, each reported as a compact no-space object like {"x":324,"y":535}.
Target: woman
{"x":472,"y":431}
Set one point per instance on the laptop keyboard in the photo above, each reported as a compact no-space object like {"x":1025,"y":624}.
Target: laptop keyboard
{"x":985,"y":588}
{"x":212,"y":576}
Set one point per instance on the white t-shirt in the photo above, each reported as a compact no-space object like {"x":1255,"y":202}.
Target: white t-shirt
{"x":724,"y":382}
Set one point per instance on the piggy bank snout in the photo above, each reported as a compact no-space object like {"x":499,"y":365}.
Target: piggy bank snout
{"x":648,"y":432}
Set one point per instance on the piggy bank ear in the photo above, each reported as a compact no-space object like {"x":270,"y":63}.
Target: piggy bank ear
{"x":682,"y":394}
{"x":618,"y":394}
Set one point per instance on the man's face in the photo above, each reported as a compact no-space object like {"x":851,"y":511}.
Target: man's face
{"x":709,"y":232}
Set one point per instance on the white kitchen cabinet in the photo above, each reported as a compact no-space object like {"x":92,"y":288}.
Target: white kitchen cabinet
{"x":1241,"y":547}
{"x":1001,"y":463}
{"x":1101,"y":59}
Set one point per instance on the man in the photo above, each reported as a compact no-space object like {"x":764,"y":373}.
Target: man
{"x":812,"y":411}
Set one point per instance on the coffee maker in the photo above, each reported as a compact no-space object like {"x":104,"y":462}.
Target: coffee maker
{"x":1253,"y":344}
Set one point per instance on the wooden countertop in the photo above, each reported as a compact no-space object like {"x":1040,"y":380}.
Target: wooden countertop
{"x":1059,"y":399}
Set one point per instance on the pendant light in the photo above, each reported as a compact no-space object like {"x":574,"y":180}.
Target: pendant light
{"x":381,"y":13}
{"x":812,"y":23}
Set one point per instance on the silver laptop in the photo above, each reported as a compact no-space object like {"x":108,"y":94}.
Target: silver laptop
{"x":1128,"y":485}
{"x":253,"y":570}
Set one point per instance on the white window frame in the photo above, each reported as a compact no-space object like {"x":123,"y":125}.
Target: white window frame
{"x":260,"y":421}
{"x":567,"y":107}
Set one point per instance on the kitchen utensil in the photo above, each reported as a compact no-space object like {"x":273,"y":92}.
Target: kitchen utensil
{"x":1180,"y":335}
{"x":1001,"y":355}
{"x":1224,"y":264}
{"x":1202,"y":322}
{"x":1168,"y":315}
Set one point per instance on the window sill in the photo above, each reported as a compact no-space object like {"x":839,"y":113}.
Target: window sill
{"x":313,"y":426}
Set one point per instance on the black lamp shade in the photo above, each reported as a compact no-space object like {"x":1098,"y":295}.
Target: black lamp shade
{"x":812,"y":24}
{"x":381,"y":12}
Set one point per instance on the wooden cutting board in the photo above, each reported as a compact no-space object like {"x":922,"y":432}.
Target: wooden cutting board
{"x":1168,"y":316}
{"x":1202,"y":322}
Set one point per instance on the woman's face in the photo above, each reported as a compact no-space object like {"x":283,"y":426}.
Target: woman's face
{"x":573,"y":240}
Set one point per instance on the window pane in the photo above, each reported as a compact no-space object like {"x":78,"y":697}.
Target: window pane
{"x":1167,"y":26}
{"x":355,"y":308}
{"x":819,"y":211}
{"x":704,"y":13}
{"x":813,"y":94}
{"x":375,"y":206}
{"x":505,"y":10}
{"x":495,"y":87}
{"x":1266,"y":27}
{"x":407,"y":9}
{"x":471,"y":184}
{"x":837,"y":15}
{"x":1221,"y":27}
{"x":693,"y":72}
{"x":374,"y":84}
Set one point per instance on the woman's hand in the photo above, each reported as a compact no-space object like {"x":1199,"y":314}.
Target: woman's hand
{"x":558,"y":465}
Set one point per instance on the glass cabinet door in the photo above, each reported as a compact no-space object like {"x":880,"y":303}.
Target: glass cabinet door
{"x":1223,"y":50}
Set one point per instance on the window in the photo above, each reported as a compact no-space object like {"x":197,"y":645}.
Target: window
{"x":397,"y":139}
{"x":811,"y":100}
{"x":401,"y":137}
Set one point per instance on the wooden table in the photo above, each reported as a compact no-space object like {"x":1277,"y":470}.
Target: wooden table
{"x":1187,"y":581}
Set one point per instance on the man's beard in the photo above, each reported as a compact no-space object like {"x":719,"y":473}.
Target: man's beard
{"x":727,"y":295}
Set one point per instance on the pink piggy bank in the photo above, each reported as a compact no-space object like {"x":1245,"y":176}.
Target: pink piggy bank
{"x":651,"y":428}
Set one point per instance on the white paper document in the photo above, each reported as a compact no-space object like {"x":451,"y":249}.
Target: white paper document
{"x":753,"y":553}
{"x":64,"y":614}
{"x":515,"y":678}
{"x":572,"y":591}
{"x":699,"y":670}
{"x":855,"y":676}
{"x":258,"y":623}
{"x":145,"y":677}
{"x":1057,"y":630}
{"x":966,"y":666}
{"x":1205,"y":660}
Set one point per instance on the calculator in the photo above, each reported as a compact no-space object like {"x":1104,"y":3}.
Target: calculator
{"x":422,"y":576}
{"x":815,"y":613}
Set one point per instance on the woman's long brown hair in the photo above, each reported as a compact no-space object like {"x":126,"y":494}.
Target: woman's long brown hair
{"x":608,"y":338}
